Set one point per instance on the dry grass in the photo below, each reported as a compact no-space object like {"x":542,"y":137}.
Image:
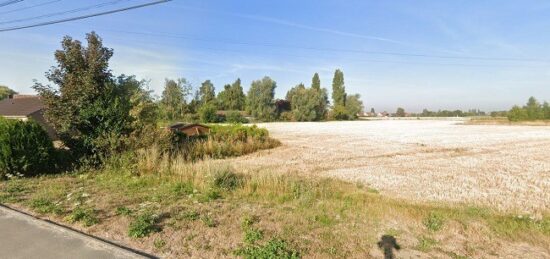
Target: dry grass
{"x":504,"y":167}
{"x":199,"y":209}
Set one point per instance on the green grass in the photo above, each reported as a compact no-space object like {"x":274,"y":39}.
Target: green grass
{"x":426,"y":244}
{"x":434,"y":221}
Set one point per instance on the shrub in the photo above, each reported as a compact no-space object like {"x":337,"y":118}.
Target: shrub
{"x":207,"y":113}
{"x":339,"y":113}
{"x":25,"y":148}
{"x":235,"y":117}
{"x":517,"y":114}
{"x":143,"y":225}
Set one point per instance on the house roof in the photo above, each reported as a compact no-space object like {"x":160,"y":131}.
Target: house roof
{"x":20,"y":106}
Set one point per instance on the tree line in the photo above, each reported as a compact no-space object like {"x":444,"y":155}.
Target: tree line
{"x":531,"y":111}
{"x":179,"y":102}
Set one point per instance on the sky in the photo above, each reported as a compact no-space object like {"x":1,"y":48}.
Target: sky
{"x":419,"y":54}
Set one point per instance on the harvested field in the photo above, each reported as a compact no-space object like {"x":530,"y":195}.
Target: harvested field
{"x":503,"y":167}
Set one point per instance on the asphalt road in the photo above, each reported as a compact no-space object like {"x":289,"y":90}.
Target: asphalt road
{"x":22,"y":236}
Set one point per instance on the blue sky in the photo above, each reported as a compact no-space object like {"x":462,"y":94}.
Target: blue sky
{"x":415,"y":54}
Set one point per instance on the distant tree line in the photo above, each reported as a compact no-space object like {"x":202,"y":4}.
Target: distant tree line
{"x":532,"y":110}
{"x":5,"y":92}
{"x":448,"y":113}
{"x":178,"y":102}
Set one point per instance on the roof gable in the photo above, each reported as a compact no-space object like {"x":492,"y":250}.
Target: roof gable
{"x":20,"y":106}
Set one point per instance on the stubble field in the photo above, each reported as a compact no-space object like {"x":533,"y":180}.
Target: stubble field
{"x":503,"y":167}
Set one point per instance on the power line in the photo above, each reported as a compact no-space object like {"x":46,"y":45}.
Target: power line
{"x":181,"y":36}
{"x":84,"y":16}
{"x":30,"y":7}
{"x":10,"y":2}
{"x":87,"y":8}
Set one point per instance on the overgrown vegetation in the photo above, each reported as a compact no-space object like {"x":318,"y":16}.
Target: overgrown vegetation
{"x":531,"y":111}
{"x":290,"y":216}
{"x":25,"y":149}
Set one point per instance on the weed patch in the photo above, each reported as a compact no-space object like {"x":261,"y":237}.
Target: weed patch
{"x":143,"y":225}
{"x":434,"y":221}
{"x":85,"y":215}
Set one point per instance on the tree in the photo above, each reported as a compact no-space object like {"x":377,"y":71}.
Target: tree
{"x":232,"y":97}
{"x":207,"y":92}
{"x":372,"y":111}
{"x":173,"y":102}
{"x":89,"y":109}
{"x":400,"y":112}
{"x":338,"y":89}
{"x":5,"y":92}
{"x":260,"y":103}
{"x":534,"y":109}
{"x":354,"y":106}
{"x":316,"y":82}
{"x":302,"y":103}
{"x":546,"y":109}
{"x":207,"y":113}
{"x":518,"y":114}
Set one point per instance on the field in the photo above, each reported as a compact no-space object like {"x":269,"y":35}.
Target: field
{"x":505,"y":167}
{"x":330,"y":190}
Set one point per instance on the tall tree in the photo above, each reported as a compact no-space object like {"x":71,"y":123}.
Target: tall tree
{"x":546,"y":109}
{"x":316,"y":82}
{"x":534,"y":109}
{"x":90,"y":109}
{"x":338,"y":89}
{"x":173,"y":98}
{"x":260,"y":102}
{"x":232,"y":97}
{"x":207,"y":92}
{"x":5,"y":92}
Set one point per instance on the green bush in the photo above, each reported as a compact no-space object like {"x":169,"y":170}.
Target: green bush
{"x":235,"y":117}
{"x":25,"y":149}
{"x":207,"y":113}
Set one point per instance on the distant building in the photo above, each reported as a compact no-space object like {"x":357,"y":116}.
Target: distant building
{"x":25,"y":107}
{"x":190,"y":129}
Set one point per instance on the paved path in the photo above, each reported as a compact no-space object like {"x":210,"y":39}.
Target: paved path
{"x":22,"y":236}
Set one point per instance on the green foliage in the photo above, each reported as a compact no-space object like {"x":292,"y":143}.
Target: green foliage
{"x":274,"y":248}
{"x":434,"y":221}
{"x":173,"y":99}
{"x":307,"y":104}
{"x":316,"y":82}
{"x":25,"y":149}
{"x":338,"y":89}
{"x":260,"y":99}
{"x":533,"y":110}
{"x":85,"y":215}
{"x":354,"y":105}
{"x":339,"y":112}
{"x":124,"y":211}
{"x":143,"y":225}
{"x":235,"y":117}
{"x":253,"y":235}
{"x":5,"y":92}
{"x":92,"y":112}
{"x":517,"y":114}
{"x":207,"y":113}
{"x":207,"y":92}
{"x":43,"y":205}
{"x":232,"y":97}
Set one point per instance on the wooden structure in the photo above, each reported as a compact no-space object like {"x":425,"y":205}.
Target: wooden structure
{"x":194,"y":129}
